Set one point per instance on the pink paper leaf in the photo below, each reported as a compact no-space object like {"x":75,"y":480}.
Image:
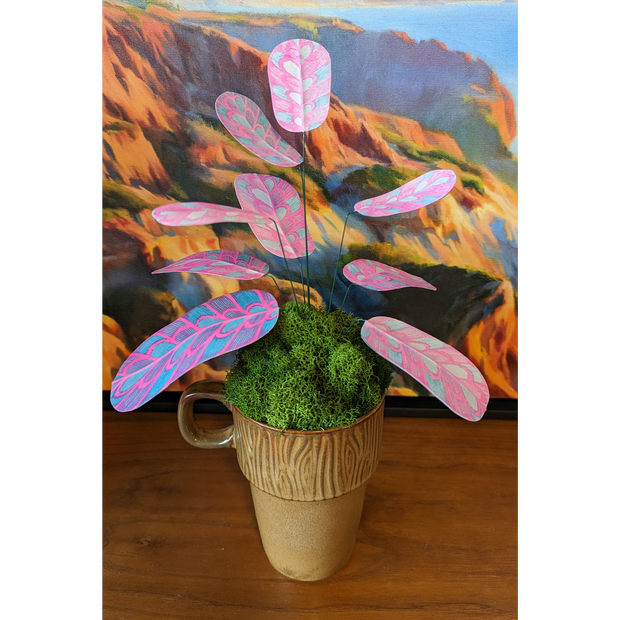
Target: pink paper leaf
{"x":448,"y":374}
{"x":225,"y":263}
{"x":220,"y":325}
{"x":300,"y":74}
{"x":379,"y":277}
{"x":201,"y":213}
{"x":250,"y":127}
{"x":271,"y":197}
{"x":415,"y":194}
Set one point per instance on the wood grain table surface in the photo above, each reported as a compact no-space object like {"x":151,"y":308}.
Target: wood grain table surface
{"x":437,"y":538}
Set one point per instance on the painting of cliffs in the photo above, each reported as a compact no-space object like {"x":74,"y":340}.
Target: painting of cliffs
{"x":400,"y":107}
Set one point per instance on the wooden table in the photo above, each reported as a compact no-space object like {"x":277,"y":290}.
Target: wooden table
{"x":437,"y":539}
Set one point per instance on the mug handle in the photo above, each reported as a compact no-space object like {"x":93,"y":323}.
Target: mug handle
{"x":192,"y":432}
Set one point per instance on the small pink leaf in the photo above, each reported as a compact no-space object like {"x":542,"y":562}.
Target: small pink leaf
{"x":201,"y":213}
{"x":225,"y":263}
{"x":300,"y":79}
{"x":448,"y":374}
{"x":415,"y":194}
{"x":220,"y":325}
{"x":250,"y":127}
{"x":274,"y":198}
{"x":379,"y":277}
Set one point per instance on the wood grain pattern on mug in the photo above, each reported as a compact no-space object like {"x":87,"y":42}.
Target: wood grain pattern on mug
{"x":308,"y":465}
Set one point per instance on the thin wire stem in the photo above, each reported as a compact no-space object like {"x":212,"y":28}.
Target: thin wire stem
{"x":301,"y":272}
{"x":275,"y":282}
{"x":286,"y":263}
{"x":338,"y":259}
{"x":352,"y":324}
{"x":303,"y":191}
{"x":345,"y":296}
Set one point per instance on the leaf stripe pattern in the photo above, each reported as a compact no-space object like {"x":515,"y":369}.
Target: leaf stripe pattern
{"x":271,"y":197}
{"x":220,"y":325}
{"x":448,"y":374}
{"x":250,"y":127}
{"x":415,"y":194}
{"x":224,"y":263}
{"x":200,"y":214}
{"x":300,"y":80}
{"x":380,"y":277}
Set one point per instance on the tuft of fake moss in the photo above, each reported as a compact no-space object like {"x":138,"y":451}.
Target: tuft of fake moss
{"x":306,"y":373}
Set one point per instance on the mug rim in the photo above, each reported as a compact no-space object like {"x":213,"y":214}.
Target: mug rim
{"x":297,"y":432}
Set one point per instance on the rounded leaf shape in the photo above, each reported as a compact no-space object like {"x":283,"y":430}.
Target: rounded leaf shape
{"x":224,"y":263}
{"x":380,"y":277}
{"x":300,"y":73}
{"x":446,"y":372}
{"x":218,"y":326}
{"x":275,"y":199}
{"x":250,"y":127}
{"x":200,"y":213}
{"x":413,"y":195}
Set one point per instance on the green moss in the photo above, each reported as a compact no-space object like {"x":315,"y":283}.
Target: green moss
{"x":307,"y":374}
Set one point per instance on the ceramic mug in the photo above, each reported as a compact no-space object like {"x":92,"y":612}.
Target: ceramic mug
{"x":308,"y":487}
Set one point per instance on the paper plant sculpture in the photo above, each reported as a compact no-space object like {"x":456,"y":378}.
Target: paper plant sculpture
{"x":299,"y":73}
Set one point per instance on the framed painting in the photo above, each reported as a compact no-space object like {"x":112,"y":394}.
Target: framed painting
{"x":415,"y":87}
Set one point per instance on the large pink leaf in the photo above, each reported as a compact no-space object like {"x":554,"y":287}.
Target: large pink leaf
{"x":274,"y":198}
{"x":218,"y":326}
{"x":379,"y":277}
{"x":300,"y":74}
{"x":249,"y":126}
{"x":200,"y":213}
{"x":413,"y":195}
{"x":448,"y":374}
{"x":225,"y":263}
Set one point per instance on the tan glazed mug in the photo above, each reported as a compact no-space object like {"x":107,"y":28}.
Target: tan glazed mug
{"x":308,"y":487}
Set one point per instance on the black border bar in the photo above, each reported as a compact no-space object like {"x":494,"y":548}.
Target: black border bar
{"x":395,"y":406}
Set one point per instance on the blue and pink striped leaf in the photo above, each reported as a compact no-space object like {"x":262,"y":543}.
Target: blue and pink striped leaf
{"x":413,"y":195}
{"x":250,"y":127}
{"x":223,"y":324}
{"x":224,"y":263}
{"x":445,"y":372}
{"x":201,"y":213}
{"x":300,"y":74}
{"x":274,"y":199}
{"x":380,"y":277}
